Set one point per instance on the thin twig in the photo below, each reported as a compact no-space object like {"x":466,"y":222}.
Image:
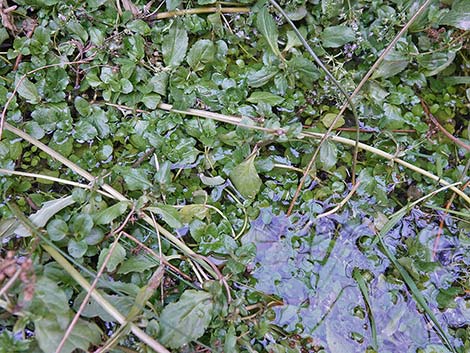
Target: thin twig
{"x":342,"y":203}
{"x":384,"y":54}
{"x":94,"y":283}
{"x":51,"y":178}
{"x":319,"y":136}
{"x":202,"y":10}
{"x":440,"y":127}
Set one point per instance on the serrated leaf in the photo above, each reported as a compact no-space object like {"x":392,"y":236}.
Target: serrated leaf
{"x":109,"y":214}
{"x":169,"y":215}
{"x":28,"y":91}
{"x":118,"y":256}
{"x":268,"y":28}
{"x":245,"y":178}
{"x":187,"y":319}
{"x":174,"y":45}
{"x":337,"y":36}
{"x":201,"y":53}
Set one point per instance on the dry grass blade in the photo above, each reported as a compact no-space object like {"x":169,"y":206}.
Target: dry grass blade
{"x":57,"y":180}
{"x":319,"y":136}
{"x":152,"y":343}
{"x":342,"y":203}
{"x":111,"y":191}
{"x":201,"y":10}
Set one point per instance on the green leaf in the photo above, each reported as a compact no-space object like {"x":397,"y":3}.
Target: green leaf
{"x":139,"y":264}
{"x":41,"y":217}
{"x":190,"y":212}
{"x":49,"y":332}
{"x":268,"y":28}
{"x":187,"y":319}
{"x":172,"y":4}
{"x":28,"y":91}
{"x":337,"y":36}
{"x":304,"y":69}
{"x":3,"y":35}
{"x":169,"y":215}
{"x":174,"y":45}
{"x":82,"y":223}
{"x":50,"y":298}
{"x":265,"y":97}
{"x":82,"y":106}
{"x":201,"y":53}
{"x":246,"y":179}
{"x":118,"y":256}
{"x":261,"y":77}
{"x":458,"y":16}
{"x":328,"y":155}
{"x":328,"y":119}
{"x":136,"y":179}
{"x":394,"y":63}
{"x":151,"y":101}
{"x":77,"y":248}
{"x":211,"y":181}
{"x":57,"y":229}
{"x":95,"y":236}
{"x":109,"y":214}
{"x":433,"y":63}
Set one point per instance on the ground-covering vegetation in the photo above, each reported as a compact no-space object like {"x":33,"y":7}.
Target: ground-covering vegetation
{"x":201,"y":176}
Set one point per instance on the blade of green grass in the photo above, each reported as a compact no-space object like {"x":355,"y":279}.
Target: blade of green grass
{"x":410,"y":283}
{"x":357,"y":275}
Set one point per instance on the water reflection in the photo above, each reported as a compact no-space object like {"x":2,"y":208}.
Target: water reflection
{"x":310,"y":269}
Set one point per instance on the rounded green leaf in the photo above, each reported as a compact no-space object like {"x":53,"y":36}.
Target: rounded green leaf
{"x":57,"y":229}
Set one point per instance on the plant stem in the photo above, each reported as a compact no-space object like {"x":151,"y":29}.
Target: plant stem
{"x":201,"y":10}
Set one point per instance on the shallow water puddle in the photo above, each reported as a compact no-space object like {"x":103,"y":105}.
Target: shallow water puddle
{"x":310,"y":267}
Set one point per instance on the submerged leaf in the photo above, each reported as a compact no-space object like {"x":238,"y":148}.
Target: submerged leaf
{"x":187,"y":319}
